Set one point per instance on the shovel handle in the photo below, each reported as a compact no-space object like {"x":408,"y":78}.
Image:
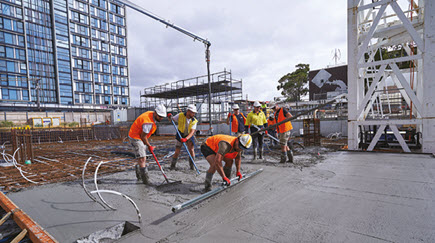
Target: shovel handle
{"x":160,"y":167}
{"x":185,"y":146}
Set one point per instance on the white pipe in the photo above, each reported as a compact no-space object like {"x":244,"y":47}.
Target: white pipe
{"x":126,"y":197}
{"x":96,"y":186}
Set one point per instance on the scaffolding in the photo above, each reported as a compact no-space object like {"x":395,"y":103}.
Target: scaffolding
{"x":176,"y":96}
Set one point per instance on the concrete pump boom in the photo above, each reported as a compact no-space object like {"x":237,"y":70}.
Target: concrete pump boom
{"x":186,"y":32}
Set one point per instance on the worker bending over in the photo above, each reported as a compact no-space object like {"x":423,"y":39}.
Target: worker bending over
{"x":186,"y":127}
{"x":143,"y":127}
{"x":227,"y":148}
{"x":237,"y":120}
{"x":257,"y":118}
{"x":284,"y":131}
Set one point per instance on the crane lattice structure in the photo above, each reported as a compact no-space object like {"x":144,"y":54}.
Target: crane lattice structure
{"x":373,"y":25}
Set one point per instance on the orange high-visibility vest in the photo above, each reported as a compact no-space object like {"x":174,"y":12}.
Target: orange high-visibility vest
{"x":213,"y":143}
{"x":287,"y":126}
{"x":235,"y":123}
{"x":270,"y":123}
{"x":136,"y":128}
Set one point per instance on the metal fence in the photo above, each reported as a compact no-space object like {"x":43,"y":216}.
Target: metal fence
{"x":61,"y":134}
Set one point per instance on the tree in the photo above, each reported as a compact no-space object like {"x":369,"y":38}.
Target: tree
{"x":294,"y":84}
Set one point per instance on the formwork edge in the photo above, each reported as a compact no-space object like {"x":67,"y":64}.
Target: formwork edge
{"x":36,"y":233}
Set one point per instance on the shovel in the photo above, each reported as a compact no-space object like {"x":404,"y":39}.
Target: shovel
{"x":164,"y":175}
{"x":185,"y":146}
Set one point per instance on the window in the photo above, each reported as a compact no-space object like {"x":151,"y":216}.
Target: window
{"x":9,"y":52}
{"x":10,"y":66}
{"x":106,"y":68}
{"x":7,"y":24}
{"x":107,"y":100}
{"x":96,"y":77}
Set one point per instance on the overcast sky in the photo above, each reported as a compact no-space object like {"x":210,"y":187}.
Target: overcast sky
{"x":259,"y":41}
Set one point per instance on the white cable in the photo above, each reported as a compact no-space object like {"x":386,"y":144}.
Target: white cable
{"x":126,"y":197}
{"x":96,"y":186}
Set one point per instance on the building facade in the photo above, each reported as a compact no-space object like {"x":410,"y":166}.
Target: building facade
{"x":63,"y":54}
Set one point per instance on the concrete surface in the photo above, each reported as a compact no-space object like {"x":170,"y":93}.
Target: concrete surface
{"x":349,"y":197}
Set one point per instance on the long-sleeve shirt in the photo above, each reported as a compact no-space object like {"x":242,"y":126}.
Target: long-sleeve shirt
{"x":258,"y":119}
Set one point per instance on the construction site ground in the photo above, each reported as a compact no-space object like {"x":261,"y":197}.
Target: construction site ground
{"x":325,"y":196}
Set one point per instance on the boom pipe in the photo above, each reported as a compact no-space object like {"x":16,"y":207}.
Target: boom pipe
{"x":296,"y":116}
{"x":143,"y":11}
{"x":215,"y":191}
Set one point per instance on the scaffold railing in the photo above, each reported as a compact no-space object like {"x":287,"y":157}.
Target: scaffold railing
{"x":176,"y":96}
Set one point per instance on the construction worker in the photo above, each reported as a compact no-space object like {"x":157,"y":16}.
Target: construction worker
{"x":272,"y":132}
{"x":227,"y":148}
{"x":186,"y":128}
{"x":143,"y":127}
{"x":256,"y":120}
{"x":284,"y":131}
{"x":237,"y":120}
{"x":264,"y":107}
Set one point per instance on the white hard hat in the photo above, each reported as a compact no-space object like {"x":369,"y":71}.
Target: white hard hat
{"x":272,"y":105}
{"x":256,"y":104}
{"x":245,"y":140}
{"x":192,"y":108}
{"x":236,"y":106}
{"x":161,"y":110}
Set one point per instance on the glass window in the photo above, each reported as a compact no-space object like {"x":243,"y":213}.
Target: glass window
{"x":6,"y":9}
{"x":25,"y":95}
{"x":13,"y":94}
{"x":9,"y":52}
{"x":7,"y":24}
{"x":5,"y":94}
{"x":9,"y":38}
{"x":10,"y":66}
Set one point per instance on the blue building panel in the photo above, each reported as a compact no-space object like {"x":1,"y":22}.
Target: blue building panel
{"x":73,"y":52}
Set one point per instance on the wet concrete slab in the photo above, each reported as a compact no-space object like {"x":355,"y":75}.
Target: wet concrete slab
{"x":348,"y":197}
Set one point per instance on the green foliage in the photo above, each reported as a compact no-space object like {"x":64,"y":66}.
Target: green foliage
{"x":294,"y":84}
{"x":395,"y":51}
{"x":73,"y":124}
{"x":6,"y":124}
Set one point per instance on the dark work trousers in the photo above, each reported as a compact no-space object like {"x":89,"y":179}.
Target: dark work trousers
{"x":257,"y":138}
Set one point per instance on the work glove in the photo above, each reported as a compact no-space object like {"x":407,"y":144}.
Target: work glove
{"x":169,"y":115}
{"x":227,"y":181}
{"x":266,"y":132}
{"x":151,"y":148}
{"x":183,"y":140}
{"x":239,"y":175}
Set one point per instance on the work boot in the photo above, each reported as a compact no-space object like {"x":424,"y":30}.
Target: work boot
{"x":283,"y":157}
{"x":227,"y":172}
{"x":290,"y":156}
{"x":261,"y":153}
{"x":144,"y":175}
{"x":137,"y":170}
{"x":192,"y":167}
{"x":173,"y":163}
{"x":255,"y":154}
{"x":208,"y":179}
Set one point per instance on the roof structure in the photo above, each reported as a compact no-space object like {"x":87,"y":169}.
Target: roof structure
{"x":194,"y":90}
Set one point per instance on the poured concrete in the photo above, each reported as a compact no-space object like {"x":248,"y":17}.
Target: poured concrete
{"x":349,"y":197}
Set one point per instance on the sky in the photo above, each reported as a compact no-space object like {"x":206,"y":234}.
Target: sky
{"x":258,"y":41}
